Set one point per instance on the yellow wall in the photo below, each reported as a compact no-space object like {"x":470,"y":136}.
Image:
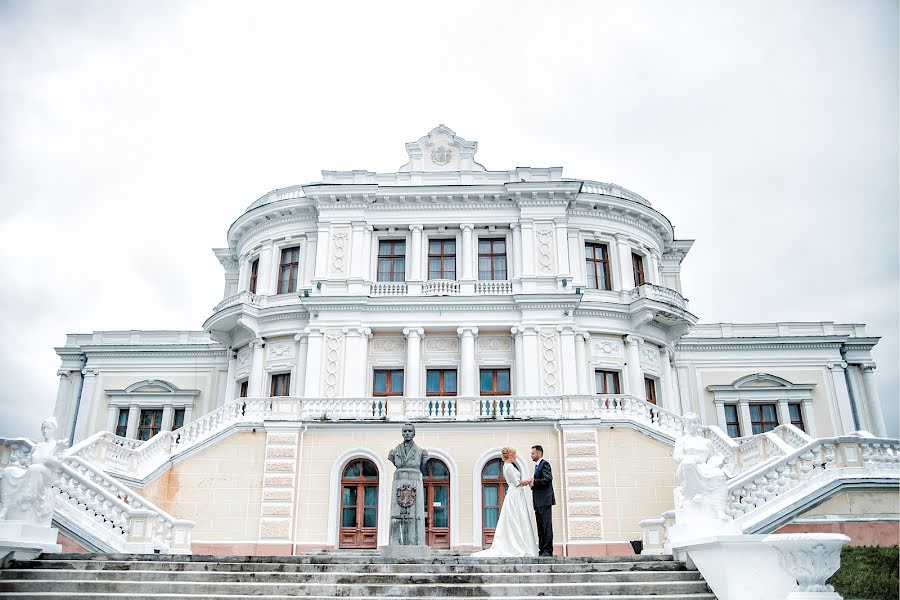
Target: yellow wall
{"x":858,"y":503}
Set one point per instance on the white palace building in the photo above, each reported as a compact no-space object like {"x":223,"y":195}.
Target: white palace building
{"x":490,"y":308}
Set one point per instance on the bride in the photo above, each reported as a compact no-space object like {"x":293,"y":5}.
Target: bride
{"x":514,"y":535}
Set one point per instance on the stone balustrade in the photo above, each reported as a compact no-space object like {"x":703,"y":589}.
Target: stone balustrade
{"x":440,"y":287}
{"x":244,"y":297}
{"x":492,"y":288}
{"x":399,"y":288}
{"x":657,"y":293}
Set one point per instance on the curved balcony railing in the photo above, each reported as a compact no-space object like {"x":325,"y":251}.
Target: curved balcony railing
{"x":657,"y":293}
{"x":244,"y":297}
{"x":440,"y":287}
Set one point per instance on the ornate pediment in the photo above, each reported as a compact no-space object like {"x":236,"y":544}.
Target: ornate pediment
{"x":441,"y":150}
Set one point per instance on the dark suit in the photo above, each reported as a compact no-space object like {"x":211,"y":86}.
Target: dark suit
{"x":544,"y":499}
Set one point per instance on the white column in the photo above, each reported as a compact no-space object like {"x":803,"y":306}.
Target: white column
{"x":229,"y":376}
{"x":265,"y":283}
{"x":415,"y":254}
{"x":516,"y":250}
{"x":653,"y":274}
{"x":468,"y":375}
{"x":243,"y":273}
{"x":83,"y":425}
{"x":842,"y":397}
{"x":527,"y":248}
{"x":519,"y":357}
{"x":314,"y":362}
{"x":721,"y":421}
{"x":668,"y":397}
{"x":168,"y":417}
{"x":357,"y":254}
{"x":62,"y":410}
{"x":626,"y":270}
{"x":745,"y":420}
{"x":322,"y":238}
{"x":809,"y":419}
{"x":784,"y":413}
{"x":532,"y":361}
{"x":467,"y":256}
{"x":368,"y":253}
{"x":633,"y":366}
{"x":569,"y":363}
{"x":412,"y":388}
{"x":581,"y":364}
{"x":188,"y":413}
{"x":356,"y":354}
{"x":112,"y":417}
{"x":299,"y":379}
{"x":562,"y":249}
{"x":873,"y":402}
{"x":134,"y":418}
{"x":576,"y":259}
{"x":257,"y":369}
{"x":309,"y":262}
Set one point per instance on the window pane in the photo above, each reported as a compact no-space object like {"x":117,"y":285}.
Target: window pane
{"x":484,"y":267}
{"x":397,"y":381}
{"x":730,"y":412}
{"x":380,"y":381}
{"x":370,"y":517}
{"x":399,"y":270}
{"x":491,"y":516}
{"x":449,"y":268}
{"x":503,"y":380}
{"x":440,"y":517}
{"x":491,"y":495}
{"x":499,"y":267}
{"x":492,"y":469}
{"x":450,"y":381}
{"x":439,"y":471}
{"x":487,"y":381}
{"x":369,"y":470}
{"x":434,"y":247}
{"x":178,"y":420}
{"x":769,"y":412}
{"x":794,"y":410}
{"x":352,"y":470}
{"x":349,"y":498}
{"x":433,"y":380}
{"x":449,"y":246}
{"x":434,"y":268}
{"x":370,"y":495}
{"x":348,"y":517}
{"x":734,"y":431}
{"x":385,"y":247}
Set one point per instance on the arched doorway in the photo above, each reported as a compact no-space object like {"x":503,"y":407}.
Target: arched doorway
{"x":437,"y":504}
{"x":359,"y":505}
{"x":493,"y":491}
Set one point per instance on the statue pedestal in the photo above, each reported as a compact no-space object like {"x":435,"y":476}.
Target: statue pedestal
{"x":405,"y":552}
{"x":26,"y":541}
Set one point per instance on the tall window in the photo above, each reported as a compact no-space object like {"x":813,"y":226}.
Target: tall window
{"x":763,"y":417}
{"x":493,"y":491}
{"x":281,"y":384}
{"x":245,"y":386}
{"x":442,"y":259}
{"x":637,"y":265}
{"x":392,"y":260}
{"x":597,"y":262}
{"x":359,"y":505}
{"x":732,"y":425}
{"x":178,"y":419}
{"x":440,"y":382}
{"x":436,"y":481}
{"x":607,"y":382}
{"x":650,"y":390}
{"x":254,"y":275}
{"x":495,"y":382}
{"x":492,"y":259}
{"x":388,"y":382}
{"x":150,"y":423}
{"x":796,"y":414}
{"x":122,"y":422}
{"x":288,"y":270}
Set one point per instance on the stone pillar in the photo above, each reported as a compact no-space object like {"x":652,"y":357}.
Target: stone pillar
{"x":168,"y":417}
{"x":468,"y":374}
{"x":63,"y":408}
{"x":415,"y":254}
{"x":467,"y":256}
{"x":322,"y":239}
{"x":581,"y":364}
{"x":357,"y":255}
{"x":309,"y":262}
{"x":720,"y":417}
{"x":653,"y":268}
{"x":368,"y":253}
{"x":532,"y":361}
{"x":112,"y":417}
{"x":784,"y":412}
{"x":873,"y":402}
{"x":243,"y":273}
{"x":188,"y":413}
{"x":626,"y":270}
{"x":134,"y":421}
{"x":229,"y":376}
{"x":563,"y":268}
{"x":576,"y":259}
{"x":412,"y":388}
{"x":516,"y":250}
{"x":527,"y":248}
{"x":745,"y":420}
{"x":665,"y":381}
{"x":314,"y":362}
{"x":356,"y":353}
{"x":519,"y":347}
{"x":569,"y":370}
{"x":83,"y":425}
{"x":257,"y":369}
{"x":841,"y":399}
{"x":299,"y":380}
{"x":809,"y":420}
{"x":633,"y":366}
{"x":267,"y":270}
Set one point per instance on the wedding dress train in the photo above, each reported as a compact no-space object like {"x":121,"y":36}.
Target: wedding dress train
{"x":514,"y":535}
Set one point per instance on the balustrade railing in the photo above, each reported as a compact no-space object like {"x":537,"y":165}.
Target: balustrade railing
{"x":488,"y":288}
{"x":389,"y":289}
{"x":657,"y":293}
{"x":440,"y":287}
{"x":244,"y":297}
{"x":623,"y":406}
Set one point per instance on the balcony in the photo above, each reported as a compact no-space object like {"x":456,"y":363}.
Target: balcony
{"x":389,"y":289}
{"x":440,"y":287}
{"x":656,"y":293}
{"x":244,"y":297}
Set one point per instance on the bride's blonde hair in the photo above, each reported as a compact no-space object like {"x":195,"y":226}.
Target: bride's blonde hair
{"x":507,"y":452}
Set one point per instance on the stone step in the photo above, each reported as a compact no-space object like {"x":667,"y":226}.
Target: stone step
{"x":349,"y":577}
{"x":304,"y":567}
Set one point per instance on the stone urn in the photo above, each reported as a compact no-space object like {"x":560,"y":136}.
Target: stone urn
{"x":810,"y":558}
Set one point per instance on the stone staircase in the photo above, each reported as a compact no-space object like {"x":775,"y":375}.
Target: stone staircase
{"x":349,"y":576}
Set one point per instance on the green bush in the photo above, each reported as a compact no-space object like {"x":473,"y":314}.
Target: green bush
{"x":868,"y":573}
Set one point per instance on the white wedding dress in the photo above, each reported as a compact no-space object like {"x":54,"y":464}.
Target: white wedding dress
{"x":514,"y":535}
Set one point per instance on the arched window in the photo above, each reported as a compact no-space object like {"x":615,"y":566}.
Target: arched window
{"x":493,"y":491}
{"x":359,"y":505}
{"x":437,"y":504}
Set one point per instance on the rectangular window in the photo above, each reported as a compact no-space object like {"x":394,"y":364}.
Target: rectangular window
{"x":388,"y":382}
{"x":492,"y":259}
{"x":440,"y":382}
{"x":288,"y":270}
{"x":245,"y":386}
{"x":796,"y":414}
{"x":122,"y":422}
{"x":637,"y":265}
{"x":150,"y":423}
{"x":607,"y":382}
{"x":391,"y":260}
{"x":597,"y":262}
{"x":281,"y":384}
{"x":732,"y":425}
{"x":254,"y":275}
{"x":442,"y":259}
{"x":178,"y":419}
{"x":763,"y":417}
{"x":650,"y":390}
{"x":495,"y":382}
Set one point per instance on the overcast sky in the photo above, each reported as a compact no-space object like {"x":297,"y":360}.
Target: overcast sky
{"x":133,"y":133}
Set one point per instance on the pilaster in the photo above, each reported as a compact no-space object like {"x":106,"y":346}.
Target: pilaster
{"x":841,"y":401}
{"x":257,"y":369}
{"x":873,"y":402}
{"x":633,"y":366}
{"x":626,"y":272}
{"x":468,"y":375}
{"x":299,"y":380}
{"x":413,"y":386}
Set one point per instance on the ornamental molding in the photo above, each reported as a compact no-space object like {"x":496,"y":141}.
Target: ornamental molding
{"x":281,"y":350}
{"x":608,"y":347}
{"x":153,"y":387}
{"x":145,"y":353}
{"x":661,"y":234}
{"x":261,"y":221}
{"x":442,"y":344}
{"x":334,"y":341}
{"x":388,"y":345}
{"x":549,"y":347}
{"x":495,"y":343}
{"x":753,"y":347}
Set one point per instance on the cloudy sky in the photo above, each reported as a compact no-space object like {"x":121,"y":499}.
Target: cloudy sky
{"x":133,"y":133}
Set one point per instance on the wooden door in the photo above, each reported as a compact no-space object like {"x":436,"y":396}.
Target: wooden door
{"x":493,"y":491}
{"x":359,"y":505}
{"x":437,"y":504}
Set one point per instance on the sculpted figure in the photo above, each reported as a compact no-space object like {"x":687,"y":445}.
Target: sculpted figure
{"x":25,"y":493}
{"x":702,"y":489}
{"x":407,"y":492}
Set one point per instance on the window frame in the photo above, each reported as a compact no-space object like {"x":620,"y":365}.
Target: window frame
{"x":153,"y":430}
{"x":441,"y":379}
{"x":650,"y":393}
{"x":254,"y":275}
{"x":494,"y":379}
{"x":294,"y":275}
{"x":737,"y":419}
{"x":491,"y":255}
{"x":592,"y":281}
{"x":442,"y":257}
{"x":391,"y":258}
{"x":617,"y":376}
{"x":760,"y":406}
{"x":281,"y":379}
{"x":800,"y":420}
{"x":638,"y":268}
{"x":123,"y":411}
{"x":388,"y":381}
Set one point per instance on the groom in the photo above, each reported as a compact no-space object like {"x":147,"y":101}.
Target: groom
{"x":544,"y":499}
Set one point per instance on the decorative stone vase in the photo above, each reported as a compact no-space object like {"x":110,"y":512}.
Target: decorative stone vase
{"x":810,"y":558}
